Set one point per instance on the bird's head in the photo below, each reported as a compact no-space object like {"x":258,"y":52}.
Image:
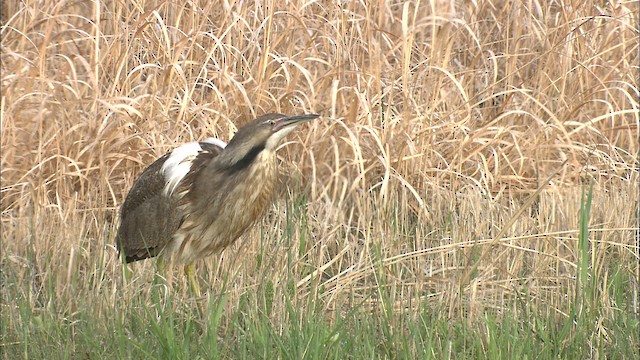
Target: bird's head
{"x":264,"y":133}
{"x":267,"y":131}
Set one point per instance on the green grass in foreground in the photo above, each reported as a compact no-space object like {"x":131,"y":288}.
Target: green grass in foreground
{"x":163,"y":325}
{"x":158,"y":331}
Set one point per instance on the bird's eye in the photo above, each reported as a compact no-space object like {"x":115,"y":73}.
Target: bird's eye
{"x":271,"y":122}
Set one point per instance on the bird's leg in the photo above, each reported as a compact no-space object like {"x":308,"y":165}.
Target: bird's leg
{"x":190,"y":270}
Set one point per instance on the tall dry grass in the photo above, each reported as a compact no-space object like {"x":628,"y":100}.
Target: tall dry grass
{"x":439,"y":120}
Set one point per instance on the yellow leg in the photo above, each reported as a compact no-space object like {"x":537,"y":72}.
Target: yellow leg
{"x":190,"y":270}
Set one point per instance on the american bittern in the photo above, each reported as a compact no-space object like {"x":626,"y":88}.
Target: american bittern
{"x":199,"y":198}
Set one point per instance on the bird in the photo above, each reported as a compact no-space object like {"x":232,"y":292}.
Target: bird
{"x":200,"y":197}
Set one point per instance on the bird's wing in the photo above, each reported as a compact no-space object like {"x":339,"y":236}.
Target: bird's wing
{"x":150,"y":215}
{"x":147,"y":217}
{"x":188,"y":189}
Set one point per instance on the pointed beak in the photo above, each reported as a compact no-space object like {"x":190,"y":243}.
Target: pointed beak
{"x":294,"y":120}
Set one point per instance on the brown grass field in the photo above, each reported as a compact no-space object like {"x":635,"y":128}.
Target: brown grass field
{"x":447,"y":169}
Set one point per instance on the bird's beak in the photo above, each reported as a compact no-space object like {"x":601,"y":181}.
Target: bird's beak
{"x":294,"y":120}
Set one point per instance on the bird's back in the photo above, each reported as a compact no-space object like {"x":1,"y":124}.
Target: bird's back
{"x":151,"y":213}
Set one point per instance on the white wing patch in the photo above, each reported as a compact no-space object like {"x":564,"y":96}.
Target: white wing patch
{"x":219,"y":143}
{"x":177,"y":166}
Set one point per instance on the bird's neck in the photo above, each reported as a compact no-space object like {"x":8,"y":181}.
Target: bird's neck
{"x":244,"y":156}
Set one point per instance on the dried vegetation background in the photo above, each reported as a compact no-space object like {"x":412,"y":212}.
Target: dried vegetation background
{"x":440,"y":119}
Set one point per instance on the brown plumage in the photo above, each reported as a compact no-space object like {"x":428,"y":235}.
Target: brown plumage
{"x":199,"y":198}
